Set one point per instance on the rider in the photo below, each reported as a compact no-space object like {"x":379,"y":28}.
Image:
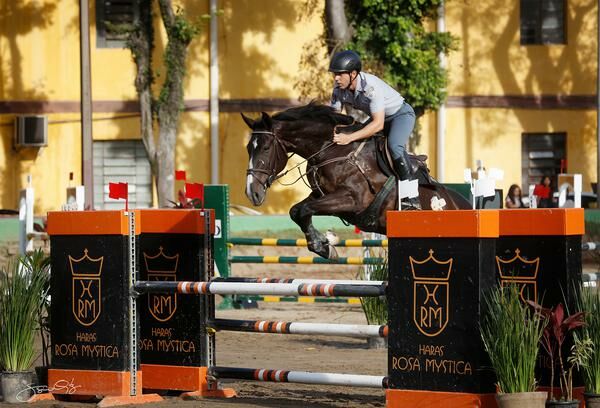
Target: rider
{"x":387,"y":109}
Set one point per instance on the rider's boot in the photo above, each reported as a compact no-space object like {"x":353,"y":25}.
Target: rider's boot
{"x":404,"y":171}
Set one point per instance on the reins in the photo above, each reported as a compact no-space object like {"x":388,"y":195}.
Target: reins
{"x":272,"y":176}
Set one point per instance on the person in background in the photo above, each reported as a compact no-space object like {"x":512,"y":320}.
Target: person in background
{"x":513,"y":198}
{"x":543,"y":193}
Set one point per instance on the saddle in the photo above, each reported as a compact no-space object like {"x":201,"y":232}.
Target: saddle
{"x":417,"y":162}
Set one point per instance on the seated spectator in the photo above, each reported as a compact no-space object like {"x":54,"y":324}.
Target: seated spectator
{"x":543,"y":193}
{"x":513,"y":198}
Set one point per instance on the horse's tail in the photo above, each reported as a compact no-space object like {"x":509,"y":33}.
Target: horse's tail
{"x":460,"y":202}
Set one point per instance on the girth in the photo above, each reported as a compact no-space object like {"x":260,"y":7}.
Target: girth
{"x":350,"y":158}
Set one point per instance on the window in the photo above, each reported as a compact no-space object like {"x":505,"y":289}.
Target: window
{"x":122,"y":162}
{"x":110,"y":14}
{"x":542,"y":22}
{"x":542,"y":155}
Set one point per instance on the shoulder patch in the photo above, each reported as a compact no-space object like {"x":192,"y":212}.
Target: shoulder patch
{"x":370,"y":91}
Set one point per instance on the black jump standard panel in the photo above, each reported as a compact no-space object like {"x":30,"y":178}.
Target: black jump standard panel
{"x":174,"y":245}
{"x":441,"y":264}
{"x":90,"y":325}
{"x":540,"y":250}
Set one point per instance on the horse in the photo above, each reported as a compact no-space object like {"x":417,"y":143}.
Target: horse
{"x":346,"y":181}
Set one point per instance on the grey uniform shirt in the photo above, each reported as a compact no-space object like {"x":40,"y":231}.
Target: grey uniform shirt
{"x":371,"y":95}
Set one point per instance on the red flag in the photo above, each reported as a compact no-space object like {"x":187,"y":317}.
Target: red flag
{"x":180,"y":175}
{"x":356,"y":230}
{"x":117,"y":190}
{"x":194,"y":190}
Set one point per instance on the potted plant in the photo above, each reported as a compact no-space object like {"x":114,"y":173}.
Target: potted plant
{"x":375,"y":308}
{"x":589,"y":302}
{"x":557,"y":328}
{"x":511,"y":332}
{"x":22,"y":292}
{"x":39,"y":263}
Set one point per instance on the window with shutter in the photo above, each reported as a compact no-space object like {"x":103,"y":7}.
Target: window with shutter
{"x":111,"y":17}
{"x":122,"y":161}
{"x":542,"y":154}
{"x":543,"y":22}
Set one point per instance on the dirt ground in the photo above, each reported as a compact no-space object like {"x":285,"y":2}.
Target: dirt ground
{"x":290,"y":352}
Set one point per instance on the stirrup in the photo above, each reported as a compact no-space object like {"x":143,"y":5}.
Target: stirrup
{"x":411,"y":204}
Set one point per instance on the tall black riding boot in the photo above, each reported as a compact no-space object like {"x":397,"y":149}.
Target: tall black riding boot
{"x":403,"y":170}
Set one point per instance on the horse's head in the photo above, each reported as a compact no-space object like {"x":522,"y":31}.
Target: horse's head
{"x":268,"y":157}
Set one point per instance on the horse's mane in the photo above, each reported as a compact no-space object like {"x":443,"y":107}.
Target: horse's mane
{"x":313,"y":111}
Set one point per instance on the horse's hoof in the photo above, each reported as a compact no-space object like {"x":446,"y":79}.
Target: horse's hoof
{"x":333,"y":254}
{"x":411,"y":205}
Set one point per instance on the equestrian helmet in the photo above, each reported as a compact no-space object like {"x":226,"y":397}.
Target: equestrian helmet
{"x":345,"y":61}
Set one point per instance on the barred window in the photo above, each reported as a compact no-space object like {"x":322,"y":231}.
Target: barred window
{"x":110,"y":16}
{"x":542,"y":154}
{"x":543,"y":22}
{"x":122,"y":161}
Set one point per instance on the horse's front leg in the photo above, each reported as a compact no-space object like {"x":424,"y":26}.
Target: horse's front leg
{"x":332,"y":204}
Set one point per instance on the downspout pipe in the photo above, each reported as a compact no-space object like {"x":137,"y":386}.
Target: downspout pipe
{"x":87,"y":153}
{"x":598,"y":108}
{"x":441,"y":112}
{"x":214,"y":94}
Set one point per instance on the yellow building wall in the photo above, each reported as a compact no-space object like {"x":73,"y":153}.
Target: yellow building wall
{"x":260,"y":47}
{"x":260,"y":44}
{"x":491,"y":61}
{"x":494,"y":136}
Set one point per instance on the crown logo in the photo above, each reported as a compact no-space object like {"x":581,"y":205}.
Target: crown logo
{"x":86,"y":266}
{"x":521,"y":272}
{"x":162,"y":267}
{"x":431,"y":294}
{"x":161,"y":263}
{"x":86,"y":288}
{"x":517,"y":267}
{"x":431,"y":268}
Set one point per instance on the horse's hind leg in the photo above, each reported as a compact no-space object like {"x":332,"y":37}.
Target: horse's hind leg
{"x":302,"y":213}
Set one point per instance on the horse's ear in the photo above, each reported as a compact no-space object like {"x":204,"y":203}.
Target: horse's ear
{"x":267,"y":120}
{"x":249,"y":122}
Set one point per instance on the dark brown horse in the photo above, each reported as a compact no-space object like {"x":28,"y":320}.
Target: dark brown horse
{"x":345,"y":180}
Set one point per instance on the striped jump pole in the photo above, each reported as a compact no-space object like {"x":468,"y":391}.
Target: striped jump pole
{"x":327,"y":329}
{"x":306,"y":260}
{"x":302,"y":242}
{"x":303,"y":377}
{"x":292,"y":280}
{"x":275,"y":289}
{"x":590,"y":246}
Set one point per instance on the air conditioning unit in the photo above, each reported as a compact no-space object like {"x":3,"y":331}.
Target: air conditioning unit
{"x":31,"y":131}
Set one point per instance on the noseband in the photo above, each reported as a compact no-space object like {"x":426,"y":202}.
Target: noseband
{"x":272,"y":174}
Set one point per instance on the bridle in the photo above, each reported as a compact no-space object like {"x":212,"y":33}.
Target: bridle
{"x":272,"y":174}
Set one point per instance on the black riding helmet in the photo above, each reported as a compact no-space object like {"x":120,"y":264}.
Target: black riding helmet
{"x":345,"y":61}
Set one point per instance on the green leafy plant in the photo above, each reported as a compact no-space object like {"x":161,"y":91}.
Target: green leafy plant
{"x":186,"y":203}
{"x":375,"y":308}
{"x":555,"y":333}
{"x":39,"y":263}
{"x":579,"y":357}
{"x":393,"y":39}
{"x":23,"y":290}
{"x":589,"y":302}
{"x":511,"y":333}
